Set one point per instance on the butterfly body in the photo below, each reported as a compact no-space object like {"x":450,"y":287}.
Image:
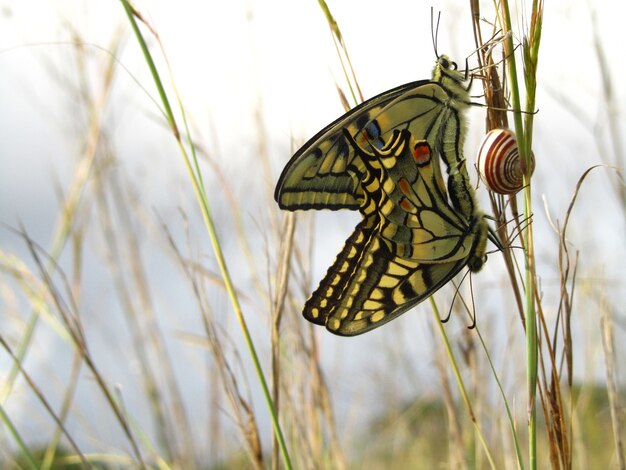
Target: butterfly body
{"x":383,"y":159}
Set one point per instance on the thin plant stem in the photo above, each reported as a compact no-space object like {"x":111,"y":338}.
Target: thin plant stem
{"x":50,"y":454}
{"x":608,"y":346}
{"x":71,"y":205}
{"x":523,"y":128}
{"x":518,"y":449}
{"x":282,"y":283}
{"x":30,"y":460}
{"x":346,"y":64}
{"x":201,"y":196}
{"x":459,"y":379}
{"x":45,"y":403}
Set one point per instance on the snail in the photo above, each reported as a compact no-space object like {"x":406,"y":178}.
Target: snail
{"x":499,"y":164}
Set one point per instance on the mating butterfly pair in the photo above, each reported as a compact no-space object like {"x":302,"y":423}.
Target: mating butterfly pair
{"x":383,"y":159}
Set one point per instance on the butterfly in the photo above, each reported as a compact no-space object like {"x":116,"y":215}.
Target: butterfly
{"x":382,"y":158}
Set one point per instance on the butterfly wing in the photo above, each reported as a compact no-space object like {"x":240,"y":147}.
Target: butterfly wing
{"x":325,"y":172}
{"x":327,"y":296}
{"x":403,"y":184}
{"x":368,"y":285}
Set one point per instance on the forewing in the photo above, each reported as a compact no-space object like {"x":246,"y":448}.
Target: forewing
{"x":325,"y":173}
{"x":403,"y":184}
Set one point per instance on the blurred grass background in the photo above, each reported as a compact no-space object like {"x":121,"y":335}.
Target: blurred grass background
{"x":120,"y":345}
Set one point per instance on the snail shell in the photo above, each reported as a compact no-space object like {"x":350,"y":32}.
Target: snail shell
{"x":499,"y":163}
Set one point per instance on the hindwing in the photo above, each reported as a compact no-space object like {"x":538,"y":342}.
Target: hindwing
{"x":368,"y":285}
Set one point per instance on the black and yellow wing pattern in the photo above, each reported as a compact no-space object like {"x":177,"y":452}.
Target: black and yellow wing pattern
{"x":409,"y":244}
{"x":383,"y":159}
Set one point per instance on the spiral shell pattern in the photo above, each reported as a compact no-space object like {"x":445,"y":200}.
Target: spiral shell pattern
{"x":499,"y":163}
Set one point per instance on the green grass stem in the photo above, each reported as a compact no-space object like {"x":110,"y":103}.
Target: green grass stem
{"x":459,"y":380}
{"x":523,"y":129}
{"x":30,"y":460}
{"x":203,"y":202}
{"x":518,"y":447}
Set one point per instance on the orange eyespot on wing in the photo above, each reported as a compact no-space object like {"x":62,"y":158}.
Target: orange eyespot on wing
{"x":421,"y":153}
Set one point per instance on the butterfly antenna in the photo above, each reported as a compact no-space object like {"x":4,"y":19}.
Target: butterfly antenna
{"x":434,"y":30}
